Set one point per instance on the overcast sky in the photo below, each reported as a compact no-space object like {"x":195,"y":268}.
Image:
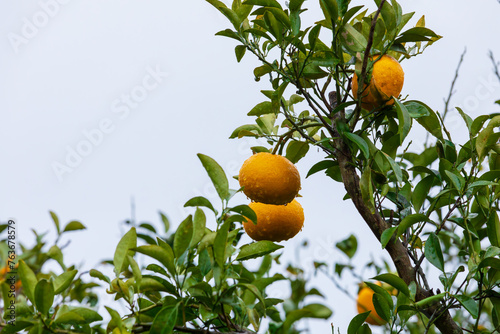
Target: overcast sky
{"x":105,"y":101}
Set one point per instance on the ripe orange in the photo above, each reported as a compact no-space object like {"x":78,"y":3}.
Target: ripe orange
{"x":365,"y":303}
{"x":386,"y":81}
{"x":4,"y":275}
{"x":275,"y":222}
{"x":269,"y":178}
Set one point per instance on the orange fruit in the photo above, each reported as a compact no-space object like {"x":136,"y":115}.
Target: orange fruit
{"x":269,"y":178}
{"x":275,"y":222}
{"x":4,"y":276}
{"x":386,"y":81}
{"x":364,"y":303}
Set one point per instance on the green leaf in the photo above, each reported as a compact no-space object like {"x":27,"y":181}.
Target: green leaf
{"x":416,"y":109}
{"x":309,"y":311}
{"x":56,"y":254}
{"x":455,"y":180}
{"x":229,"y":33}
{"x":431,"y":122}
{"x":257,"y":249}
{"x":28,"y":280}
{"x":216,"y":174}
{"x":352,"y":39}
{"x":331,"y":7}
{"x":356,"y":322}
{"x":99,"y":275}
{"x":239,"y":51}
{"x":348,"y":246}
{"x":264,"y":3}
{"x":382,"y":307}
{"x":160,"y":254}
{"x":296,"y":150}
{"x":127,"y":242}
{"x":387,"y":235}
{"x":262,"y":108}
{"x":74,"y":226}
{"x":360,"y":143}
{"x":421,"y":191}
{"x":220,"y":244}
{"x":395,"y":167}
{"x":165,"y":221}
{"x":469,"y":304}
{"x":493,"y":229}
{"x":253,"y":289}
{"x":313,"y":36}
{"x":78,"y":316}
{"x":467,"y":118}
{"x":183,"y":236}
{"x":322,"y":165}
{"x":486,"y":138}
{"x":394,"y":281}
{"x":200,"y":201}
{"x":404,"y":119}
{"x":246,"y":211}
{"x":44,"y":296}
{"x":409,"y":221}
{"x":199,"y":224}
{"x":55,"y":219}
{"x":433,"y":252}
{"x":63,"y":281}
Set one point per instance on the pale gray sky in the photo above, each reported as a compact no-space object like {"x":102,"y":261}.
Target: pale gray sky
{"x":138,"y":88}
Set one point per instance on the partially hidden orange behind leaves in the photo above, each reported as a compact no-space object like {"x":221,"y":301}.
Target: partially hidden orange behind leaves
{"x":269,"y":178}
{"x":275,"y":222}
{"x":386,"y":81}
{"x":364,"y":303}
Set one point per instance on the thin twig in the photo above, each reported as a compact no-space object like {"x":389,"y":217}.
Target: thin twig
{"x":453,"y":82}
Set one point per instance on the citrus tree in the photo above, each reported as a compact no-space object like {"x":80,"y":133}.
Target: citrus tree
{"x":334,"y":85}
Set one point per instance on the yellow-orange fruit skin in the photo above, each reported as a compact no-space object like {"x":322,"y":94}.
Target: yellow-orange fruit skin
{"x":387,"y":81}
{"x":365,"y":303}
{"x":275,"y":222}
{"x":269,"y":178}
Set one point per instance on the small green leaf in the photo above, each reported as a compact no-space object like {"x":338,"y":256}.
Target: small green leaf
{"x":395,"y":167}
{"x":404,"y":119}
{"x":127,"y":242}
{"x":433,"y":252}
{"x":360,"y":143}
{"x":44,"y":296}
{"x":356,"y":322}
{"x":220,"y":244}
{"x":199,"y":224}
{"x":240,"y":52}
{"x":160,"y":254}
{"x":409,"y":220}
{"x":264,"y":3}
{"x":382,"y":306}
{"x":394,"y":281}
{"x":348,"y":246}
{"x":416,"y":109}
{"x":313,"y":36}
{"x":469,"y":304}
{"x":99,"y":275}
{"x":246,"y":211}
{"x":493,"y":229}
{"x":262,"y":108}
{"x":183,"y":236}
{"x":387,"y":235}
{"x":352,"y":39}
{"x":216,"y":174}
{"x":257,"y":249}
{"x":331,"y":8}
{"x":55,"y":219}
{"x":421,"y":191}
{"x":200,"y":201}
{"x":296,"y":150}
{"x":28,"y":280}
{"x":74,"y":226}
{"x":165,"y":221}
{"x":63,"y":281}
{"x":322,"y":165}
